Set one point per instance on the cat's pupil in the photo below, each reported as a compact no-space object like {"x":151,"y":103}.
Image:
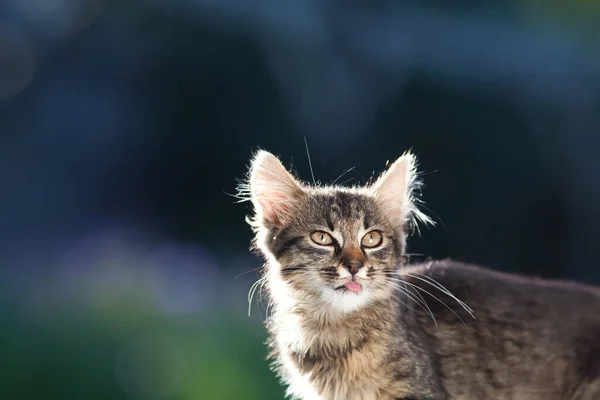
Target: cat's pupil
{"x":322,"y":237}
{"x":371,"y":238}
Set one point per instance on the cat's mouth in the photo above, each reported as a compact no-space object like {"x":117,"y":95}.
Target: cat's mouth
{"x":351,"y":286}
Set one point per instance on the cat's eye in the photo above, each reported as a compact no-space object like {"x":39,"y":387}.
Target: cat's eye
{"x":321,"y":238}
{"x":371,"y":239}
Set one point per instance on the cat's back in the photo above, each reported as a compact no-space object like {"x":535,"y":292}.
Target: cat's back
{"x":467,"y":297}
{"x":493,"y":290}
{"x":514,"y":334}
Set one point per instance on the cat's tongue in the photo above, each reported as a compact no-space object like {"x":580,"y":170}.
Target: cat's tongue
{"x":353,"y":287}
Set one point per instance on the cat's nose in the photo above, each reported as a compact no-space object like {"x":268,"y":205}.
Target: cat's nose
{"x":353,"y":266}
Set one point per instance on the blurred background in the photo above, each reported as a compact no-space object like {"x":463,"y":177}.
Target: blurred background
{"x":125,"y":125}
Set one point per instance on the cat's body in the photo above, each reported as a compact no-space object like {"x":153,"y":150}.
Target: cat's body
{"x":349,"y":321}
{"x":531,"y":340}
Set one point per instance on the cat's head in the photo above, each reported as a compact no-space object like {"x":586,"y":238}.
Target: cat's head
{"x":332,"y":245}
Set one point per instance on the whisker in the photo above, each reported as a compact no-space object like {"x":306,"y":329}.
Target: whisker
{"x":252,"y":288}
{"x":247,"y":272}
{"x":343,"y":173}
{"x":415,"y":254}
{"x":309,"y":162}
{"x":260,"y":294}
{"x":361,"y":176}
{"x":347,"y":180}
{"x":441,"y":288}
{"x":435,"y":297}
{"x":426,"y":305}
{"x":432,"y":282}
{"x":395,"y":297}
{"x":251,"y":292}
{"x":411,"y":296}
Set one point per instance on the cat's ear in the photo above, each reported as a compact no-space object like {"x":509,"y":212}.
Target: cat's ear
{"x":274,"y":191}
{"x":394,"y":189}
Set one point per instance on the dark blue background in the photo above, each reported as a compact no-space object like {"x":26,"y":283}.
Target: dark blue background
{"x":125,"y":125}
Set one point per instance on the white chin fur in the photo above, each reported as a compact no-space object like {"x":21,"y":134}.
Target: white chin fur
{"x":343,"y":301}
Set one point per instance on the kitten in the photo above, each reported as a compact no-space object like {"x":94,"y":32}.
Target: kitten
{"x":350,"y":321}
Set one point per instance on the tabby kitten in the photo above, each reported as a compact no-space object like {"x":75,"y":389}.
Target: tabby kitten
{"x":350,"y":321}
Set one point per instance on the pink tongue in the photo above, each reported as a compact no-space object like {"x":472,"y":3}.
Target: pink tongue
{"x":353,"y":287}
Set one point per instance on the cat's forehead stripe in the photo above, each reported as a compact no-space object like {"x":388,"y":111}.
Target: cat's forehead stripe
{"x":329,"y":222}
{"x":367,"y":220}
{"x":347,"y":205}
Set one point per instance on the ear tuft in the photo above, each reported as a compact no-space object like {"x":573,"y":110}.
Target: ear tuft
{"x":273,"y":189}
{"x":394,"y":191}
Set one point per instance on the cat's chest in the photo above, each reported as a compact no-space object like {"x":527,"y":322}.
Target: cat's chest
{"x":331,"y":362}
{"x":360,"y":374}
{"x":341,"y":378}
